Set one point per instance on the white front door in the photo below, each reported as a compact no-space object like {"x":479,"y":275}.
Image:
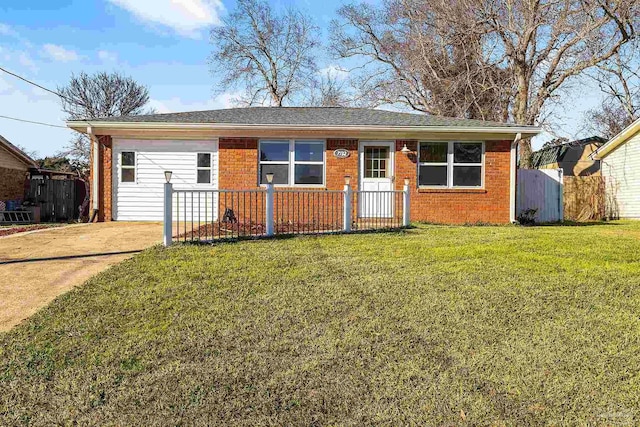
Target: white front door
{"x":376,"y":179}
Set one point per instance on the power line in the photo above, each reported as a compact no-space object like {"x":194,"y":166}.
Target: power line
{"x":35,"y":84}
{"x":33,"y":122}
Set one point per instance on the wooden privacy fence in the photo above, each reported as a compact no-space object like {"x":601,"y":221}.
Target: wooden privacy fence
{"x":541,"y":190}
{"x":584,"y":198}
{"x":56,"y":198}
{"x":556,"y":197}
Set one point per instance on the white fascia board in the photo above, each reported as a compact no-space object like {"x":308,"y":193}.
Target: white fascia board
{"x":616,"y":141}
{"x":511,"y":130}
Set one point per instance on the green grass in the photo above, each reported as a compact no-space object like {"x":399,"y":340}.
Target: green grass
{"x":432,"y":326}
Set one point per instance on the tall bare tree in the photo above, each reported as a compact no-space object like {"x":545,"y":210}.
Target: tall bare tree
{"x":328,"y":90}
{"x":427,"y":56}
{"x":269,"y":56}
{"x":550,"y":43}
{"x":619,"y":80}
{"x":541,"y":45}
{"x":99,"y":95}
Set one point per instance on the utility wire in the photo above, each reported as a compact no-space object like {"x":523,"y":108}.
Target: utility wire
{"x":41,"y":87}
{"x":33,"y":122}
{"x":35,"y":84}
{"x":38,"y":86}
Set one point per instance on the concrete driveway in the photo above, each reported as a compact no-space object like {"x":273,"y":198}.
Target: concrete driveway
{"x":37,"y":267}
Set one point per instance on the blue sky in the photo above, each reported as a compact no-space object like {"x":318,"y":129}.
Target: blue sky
{"x":163,"y":44}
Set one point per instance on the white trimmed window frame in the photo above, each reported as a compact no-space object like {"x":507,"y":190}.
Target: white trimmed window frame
{"x":208,"y":168}
{"x":450,"y":164}
{"x":133,"y":167}
{"x":292,"y":162}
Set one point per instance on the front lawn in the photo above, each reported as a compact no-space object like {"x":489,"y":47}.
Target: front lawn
{"x":432,"y":326}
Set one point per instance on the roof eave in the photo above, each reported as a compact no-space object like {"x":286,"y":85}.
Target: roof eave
{"x":616,"y":141}
{"x":16,"y":152}
{"x":81,"y":126}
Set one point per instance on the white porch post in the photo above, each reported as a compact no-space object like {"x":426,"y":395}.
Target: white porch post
{"x":346,"y":214}
{"x":96,"y":171}
{"x":406,"y":214}
{"x":269,"y":209}
{"x":513,"y":169}
{"x":168,"y":214}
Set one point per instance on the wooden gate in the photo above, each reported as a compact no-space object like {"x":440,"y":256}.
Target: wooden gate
{"x":56,"y":197}
{"x":542,"y":190}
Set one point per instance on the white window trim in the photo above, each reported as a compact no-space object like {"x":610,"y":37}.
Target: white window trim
{"x":292,"y":162}
{"x":122,"y":167}
{"x":209,"y":168}
{"x":450,"y":165}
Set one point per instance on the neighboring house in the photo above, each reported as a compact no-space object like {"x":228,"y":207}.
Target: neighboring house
{"x":460,"y":170}
{"x":620,"y":159}
{"x":14,"y":170}
{"x":573,"y":157}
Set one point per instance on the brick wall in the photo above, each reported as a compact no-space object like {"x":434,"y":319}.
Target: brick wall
{"x":12,"y":184}
{"x":451,"y":206}
{"x":238,"y":168}
{"x":105,"y":187}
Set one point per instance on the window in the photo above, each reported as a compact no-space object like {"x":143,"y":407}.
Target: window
{"x":292,"y":162}
{"x":450,"y":164}
{"x":128,"y":166}
{"x":204,"y":168}
{"x":376,"y":160}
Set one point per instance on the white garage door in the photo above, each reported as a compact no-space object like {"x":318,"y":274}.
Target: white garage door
{"x":138,"y":173}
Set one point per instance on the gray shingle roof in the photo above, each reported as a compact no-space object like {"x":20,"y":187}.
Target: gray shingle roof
{"x":318,"y":116}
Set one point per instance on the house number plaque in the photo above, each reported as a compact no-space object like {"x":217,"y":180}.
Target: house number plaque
{"x":341,"y":153}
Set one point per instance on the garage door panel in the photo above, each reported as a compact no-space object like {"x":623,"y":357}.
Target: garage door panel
{"x":143,"y":200}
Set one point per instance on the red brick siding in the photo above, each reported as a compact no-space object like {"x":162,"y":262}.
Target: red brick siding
{"x":238,"y":163}
{"x":238,"y":166}
{"x":12,"y":184}
{"x":490,"y":204}
{"x":105,"y":187}
{"x":239,"y":170}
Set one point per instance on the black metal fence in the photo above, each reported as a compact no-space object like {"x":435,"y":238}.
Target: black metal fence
{"x":208,"y":215}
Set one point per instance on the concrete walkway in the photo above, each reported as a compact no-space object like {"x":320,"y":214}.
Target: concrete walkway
{"x":37,"y":267}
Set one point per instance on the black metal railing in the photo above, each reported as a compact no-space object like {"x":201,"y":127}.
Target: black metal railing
{"x":209,"y":215}
{"x":308,"y":211}
{"x":377,"y":210}
{"x":206,"y":215}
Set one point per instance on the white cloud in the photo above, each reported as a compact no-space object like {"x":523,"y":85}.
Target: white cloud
{"x":177,"y":105}
{"x":106,"y":56}
{"x":59,"y":53}
{"x":25,"y":60}
{"x":334,"y":71}
{"x":185,"y":17}
{"x":6,"y":30}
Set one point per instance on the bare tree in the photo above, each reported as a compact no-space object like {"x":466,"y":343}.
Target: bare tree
{"x":269,"y":56}
{"x":427,"y":56}
{"x":329,"y":90}
{"x":549,"y":43}
{"x":541,"y":45}
{"x":99,"y":95}
{"x":608,"y":120}
{"x":619,"y":79}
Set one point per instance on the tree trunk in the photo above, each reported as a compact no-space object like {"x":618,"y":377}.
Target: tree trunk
{"x":520,"y":115}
